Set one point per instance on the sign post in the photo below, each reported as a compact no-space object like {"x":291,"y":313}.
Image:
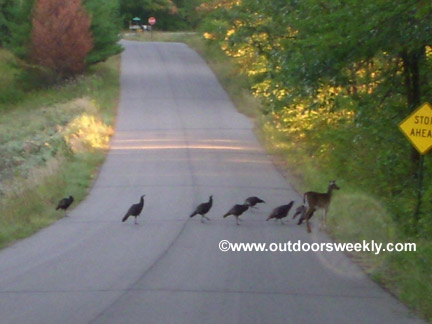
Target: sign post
{"x":152,"y":22}
{"x":417,"y":127}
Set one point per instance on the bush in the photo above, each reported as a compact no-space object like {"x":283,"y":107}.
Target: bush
{"x":61,"y":36}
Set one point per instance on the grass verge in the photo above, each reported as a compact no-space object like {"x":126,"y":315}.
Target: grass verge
{"x":52,"y":142}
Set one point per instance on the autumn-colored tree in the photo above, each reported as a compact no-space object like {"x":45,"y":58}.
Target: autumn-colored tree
{"x":61,"y":37}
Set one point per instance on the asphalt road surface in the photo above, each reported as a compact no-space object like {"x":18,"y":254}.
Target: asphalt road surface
{"x":179,"y":140}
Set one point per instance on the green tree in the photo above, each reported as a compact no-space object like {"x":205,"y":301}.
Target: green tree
{"x":105,"y":28}
{"x":338,"y":37}
{"x":187,"y":11}
{"x":5,"y":9}
{"x":19,"y":26}
{"x":311,"y":40}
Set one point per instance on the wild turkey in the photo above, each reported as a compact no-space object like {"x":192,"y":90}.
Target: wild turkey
{"x":252,"y":201}
{"x":280,"y":212}
{"x":203,"y":209}
{"x":135,"y":210}
{"x":65,"y":203}
{"x":237,"y":210}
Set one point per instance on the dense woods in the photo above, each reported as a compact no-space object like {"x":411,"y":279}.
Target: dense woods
{"x":336,"y":78}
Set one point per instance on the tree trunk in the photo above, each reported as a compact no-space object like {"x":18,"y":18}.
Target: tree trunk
{"x":411,"y":69}
{"x":411,"y":64}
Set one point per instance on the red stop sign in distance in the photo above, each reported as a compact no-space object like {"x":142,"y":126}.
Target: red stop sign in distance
{"x":152,"y":21}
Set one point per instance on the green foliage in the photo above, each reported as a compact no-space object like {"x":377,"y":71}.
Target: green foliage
{"x":187,"y":13}
{"x":335,"y":75}
{"x":335,"y":79}
{"x":411,"y":276}
{"x":18,"y":22}
{"x":105,"y":29}
{"x":8,"y":71}
{"x":5,"y":6}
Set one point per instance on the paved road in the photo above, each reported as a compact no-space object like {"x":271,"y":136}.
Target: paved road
{"x":178,"y":140}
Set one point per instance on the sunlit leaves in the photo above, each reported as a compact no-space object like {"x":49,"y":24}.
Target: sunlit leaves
{"x":336,"y":75}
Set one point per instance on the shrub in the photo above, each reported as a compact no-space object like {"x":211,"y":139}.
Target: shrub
{"x":61,"y":37}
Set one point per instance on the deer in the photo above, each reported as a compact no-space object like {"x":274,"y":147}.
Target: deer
{"x":317,"y":200}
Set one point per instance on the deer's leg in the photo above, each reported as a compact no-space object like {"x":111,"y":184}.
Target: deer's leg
{"x":309,"y":212}
{"x":324,"y":220}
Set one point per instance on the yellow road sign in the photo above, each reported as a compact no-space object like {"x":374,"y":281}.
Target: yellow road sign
{"x":417,"y":127}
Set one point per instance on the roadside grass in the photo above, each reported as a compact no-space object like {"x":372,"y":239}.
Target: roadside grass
{"x":355,"y":214}
{"x":9,"y":71}
{"x":52,"y":142}
{"x":156,"y":36}
{"x":31,"y":206}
